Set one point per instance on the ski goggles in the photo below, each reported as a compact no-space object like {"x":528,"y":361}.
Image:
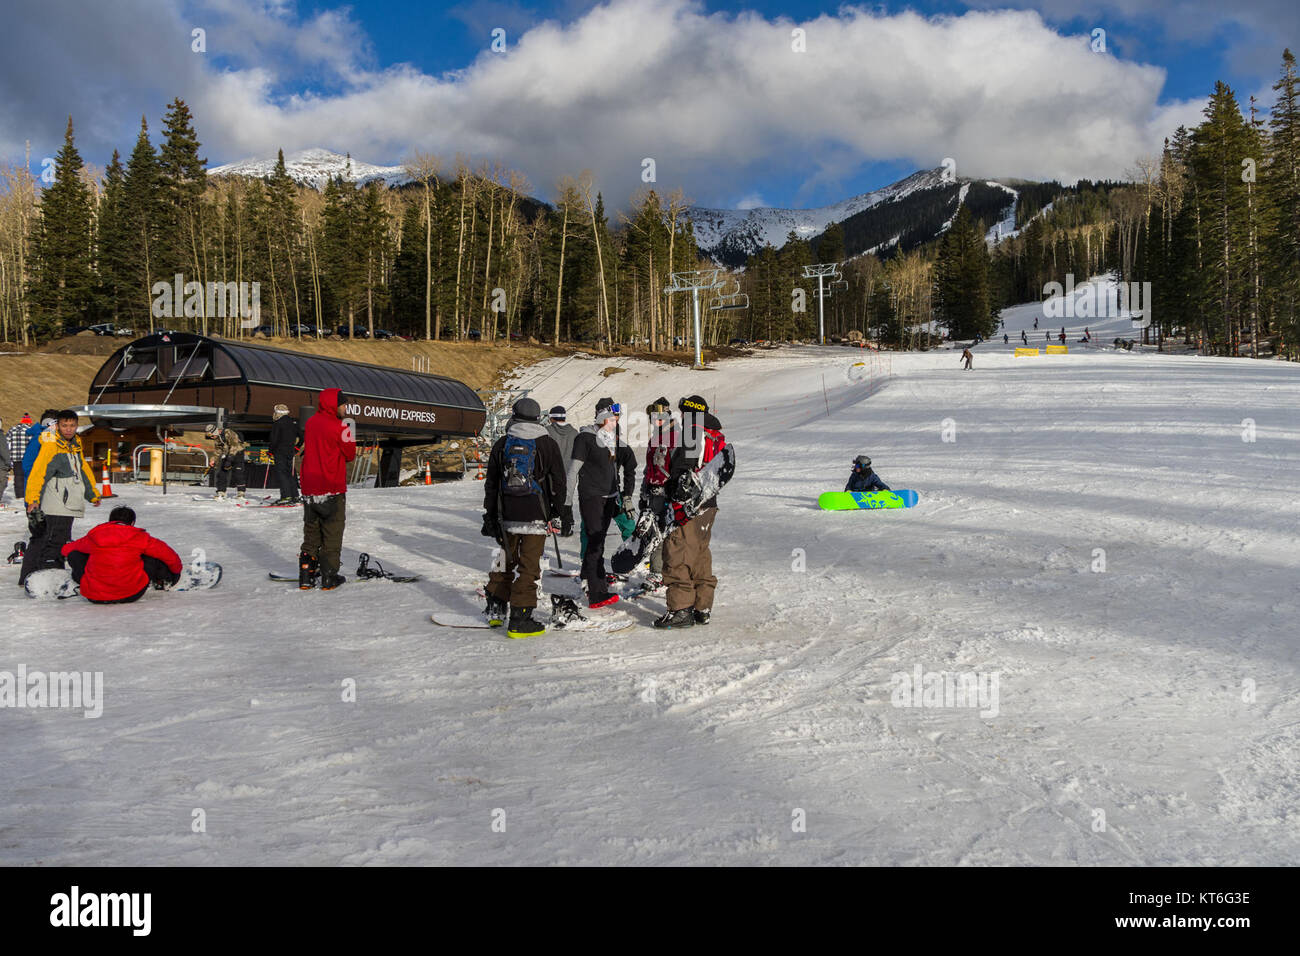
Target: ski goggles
{"x":616,"y":409}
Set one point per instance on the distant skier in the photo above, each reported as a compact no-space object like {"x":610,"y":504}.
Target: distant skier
{"x":1062,"y":338}
{"x":523,"y":500}
{"x":1035,"y":321}
{"x":654,"y":498}
{"x":1047,"y":335}
{"x":284,"y":445}
{"x":328,"y":445}
{"x":1024,"y":338}
{"x":1006,"y":339}
{"x":116,"y":562}
{"x":863,"y":478}
{"x":967,"y":358}
{"x":599,"y":456}
{"x":230,"y":447}
{"x":688,"y":562}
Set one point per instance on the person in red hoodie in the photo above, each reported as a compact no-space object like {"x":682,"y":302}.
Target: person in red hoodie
{"x":328,"y":445}
{"x":115,"y":562}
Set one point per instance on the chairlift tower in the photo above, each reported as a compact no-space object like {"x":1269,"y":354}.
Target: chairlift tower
{"x":695,"y":282}
{"x":821,"y":271}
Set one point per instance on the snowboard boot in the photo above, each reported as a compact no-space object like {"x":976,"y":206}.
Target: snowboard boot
{"x":239,"y":494}
{"x":683,"y":618}
{"x":308,"y":570}
{"x":564,"y":610}
{"x":219,"y":496}
{"x":523,"y":624}
{"x":330,"y":579}
{"x":602,"y":600}
{"x":701,"y":617}
{"x":16,"y":556}
{"x":495,"y":612}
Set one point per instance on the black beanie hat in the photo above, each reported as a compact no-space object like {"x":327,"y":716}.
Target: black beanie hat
{"x":692,"y":404}
{"x":526,"y":409}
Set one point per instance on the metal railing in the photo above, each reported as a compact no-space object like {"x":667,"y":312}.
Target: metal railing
{"x":171,"y":449}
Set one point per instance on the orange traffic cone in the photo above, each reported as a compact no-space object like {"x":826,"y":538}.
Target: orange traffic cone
{"x":428,"y":477}
{"x":107,"y":490}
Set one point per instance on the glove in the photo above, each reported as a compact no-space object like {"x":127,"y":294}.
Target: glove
{"x":491,"y":527}
{"x":628,"y":508}
{"x":566,"y":523}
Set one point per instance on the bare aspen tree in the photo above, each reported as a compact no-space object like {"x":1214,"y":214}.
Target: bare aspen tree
{"x":424,"y":168}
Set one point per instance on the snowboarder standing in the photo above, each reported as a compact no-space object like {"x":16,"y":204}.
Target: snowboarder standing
{"x":230,"y":448}
{"x":967,"y":358}
{"x":116,"y":562}
{"x":1024,"y":338}
{"x":16,"y":442}
{"x":284,"y":445}
{"x":564,"y":434}
{"x":523,"y":498}
{"x":688,"y":562}
{"x":863,"y":478}
{"x":1005,"y":338}
{"x":1035,"y":321}
{"x":58,"y":487}
{"x":328,"y":445}
{"x":598,"y":458}
{"x":654,"y":498}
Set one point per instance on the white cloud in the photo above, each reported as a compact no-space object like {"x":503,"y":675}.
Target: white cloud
{"x":713,"y":98}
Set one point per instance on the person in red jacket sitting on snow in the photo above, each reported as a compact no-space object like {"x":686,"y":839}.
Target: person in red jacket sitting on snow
{"x":116,"y":562}
{"x":328,"y":444}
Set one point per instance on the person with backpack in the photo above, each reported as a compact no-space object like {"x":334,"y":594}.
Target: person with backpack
{"x":116,"y":562}
{"x":523,"y":503}
{"x":284,"y":445}
{"x":654,"y":497}
{"x":329,"y":443}
{"x":863,"y":478}
{"x":600,"y":456}
{"x":58,"y":487}
{"x":688,"y":561}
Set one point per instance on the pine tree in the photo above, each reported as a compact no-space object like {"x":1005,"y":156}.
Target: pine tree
{"x":63,"y":281}
{"x":143,"y":218}
{"x":1282,"y":194}
{"x":182,"y":177}
{"x":961,"y":280}
{"x":111,"y":241}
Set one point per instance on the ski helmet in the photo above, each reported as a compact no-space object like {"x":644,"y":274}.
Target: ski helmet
{"x":862,"y":461}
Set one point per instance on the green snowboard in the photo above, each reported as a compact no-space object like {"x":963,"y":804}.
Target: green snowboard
{"x":865,"y":500}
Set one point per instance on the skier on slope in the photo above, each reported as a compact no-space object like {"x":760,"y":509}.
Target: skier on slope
{"x":328,"y":445}
{"x":116,"y":562}
{"x":688,"y":562}
{"x":654,"y":498}
{"x":523,"y":502}
{"x":1005,"y":338}
{"x":599,"y":496}
{"x":1024,"y":338}
{"x":284,"y":445}
{"x":967,"y":358}
{"x":863,"y":478}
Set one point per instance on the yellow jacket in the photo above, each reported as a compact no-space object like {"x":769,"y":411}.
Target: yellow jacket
{"x":61,"y":480}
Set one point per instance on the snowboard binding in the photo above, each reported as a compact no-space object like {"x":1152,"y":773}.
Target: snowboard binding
{"x":365,"y":572}
{"x":20,"y":548}
{"x":564,"y":611}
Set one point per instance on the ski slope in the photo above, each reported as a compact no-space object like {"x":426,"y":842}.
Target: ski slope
{"x":1124,"y":695}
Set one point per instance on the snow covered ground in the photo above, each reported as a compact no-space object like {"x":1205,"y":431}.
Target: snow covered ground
{"x":1144,"y":713}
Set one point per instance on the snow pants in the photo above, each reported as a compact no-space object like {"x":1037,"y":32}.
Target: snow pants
{"x":688,"y":564}
{"x":516,"y":582}
{"x":231,"y":467}
{"x":322,"y":532}
{"x":284,"y":477}
{"x":45,"y":550}
{"x":20,"y":482}
{"x":597,"y":513}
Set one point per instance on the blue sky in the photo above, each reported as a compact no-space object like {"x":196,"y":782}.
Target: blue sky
{"x":711,"y":91}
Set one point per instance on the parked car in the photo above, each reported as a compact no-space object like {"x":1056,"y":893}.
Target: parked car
{"x":75,"y":329}
{"x":739,"y":342}
{"x":474,"y":334}
{"x":358,"y":332}
{"x":385,"y":334}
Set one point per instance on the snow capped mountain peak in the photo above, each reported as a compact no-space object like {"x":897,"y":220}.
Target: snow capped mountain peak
{"x":748,"y":230}
{"x":315,"y":167}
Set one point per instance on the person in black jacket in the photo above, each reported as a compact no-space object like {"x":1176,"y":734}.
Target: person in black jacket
{"x":599,"y":456}
{"x":688,"y":561}
{"x":523,"y":495}
{"x":284,"y":445}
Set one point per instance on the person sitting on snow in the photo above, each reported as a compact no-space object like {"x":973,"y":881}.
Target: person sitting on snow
{"x":116,"y":562}
{"x":863,"y":478}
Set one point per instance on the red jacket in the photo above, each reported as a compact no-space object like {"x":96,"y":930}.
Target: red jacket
{"x":116,"y":569}
{"x":327,"y":447}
